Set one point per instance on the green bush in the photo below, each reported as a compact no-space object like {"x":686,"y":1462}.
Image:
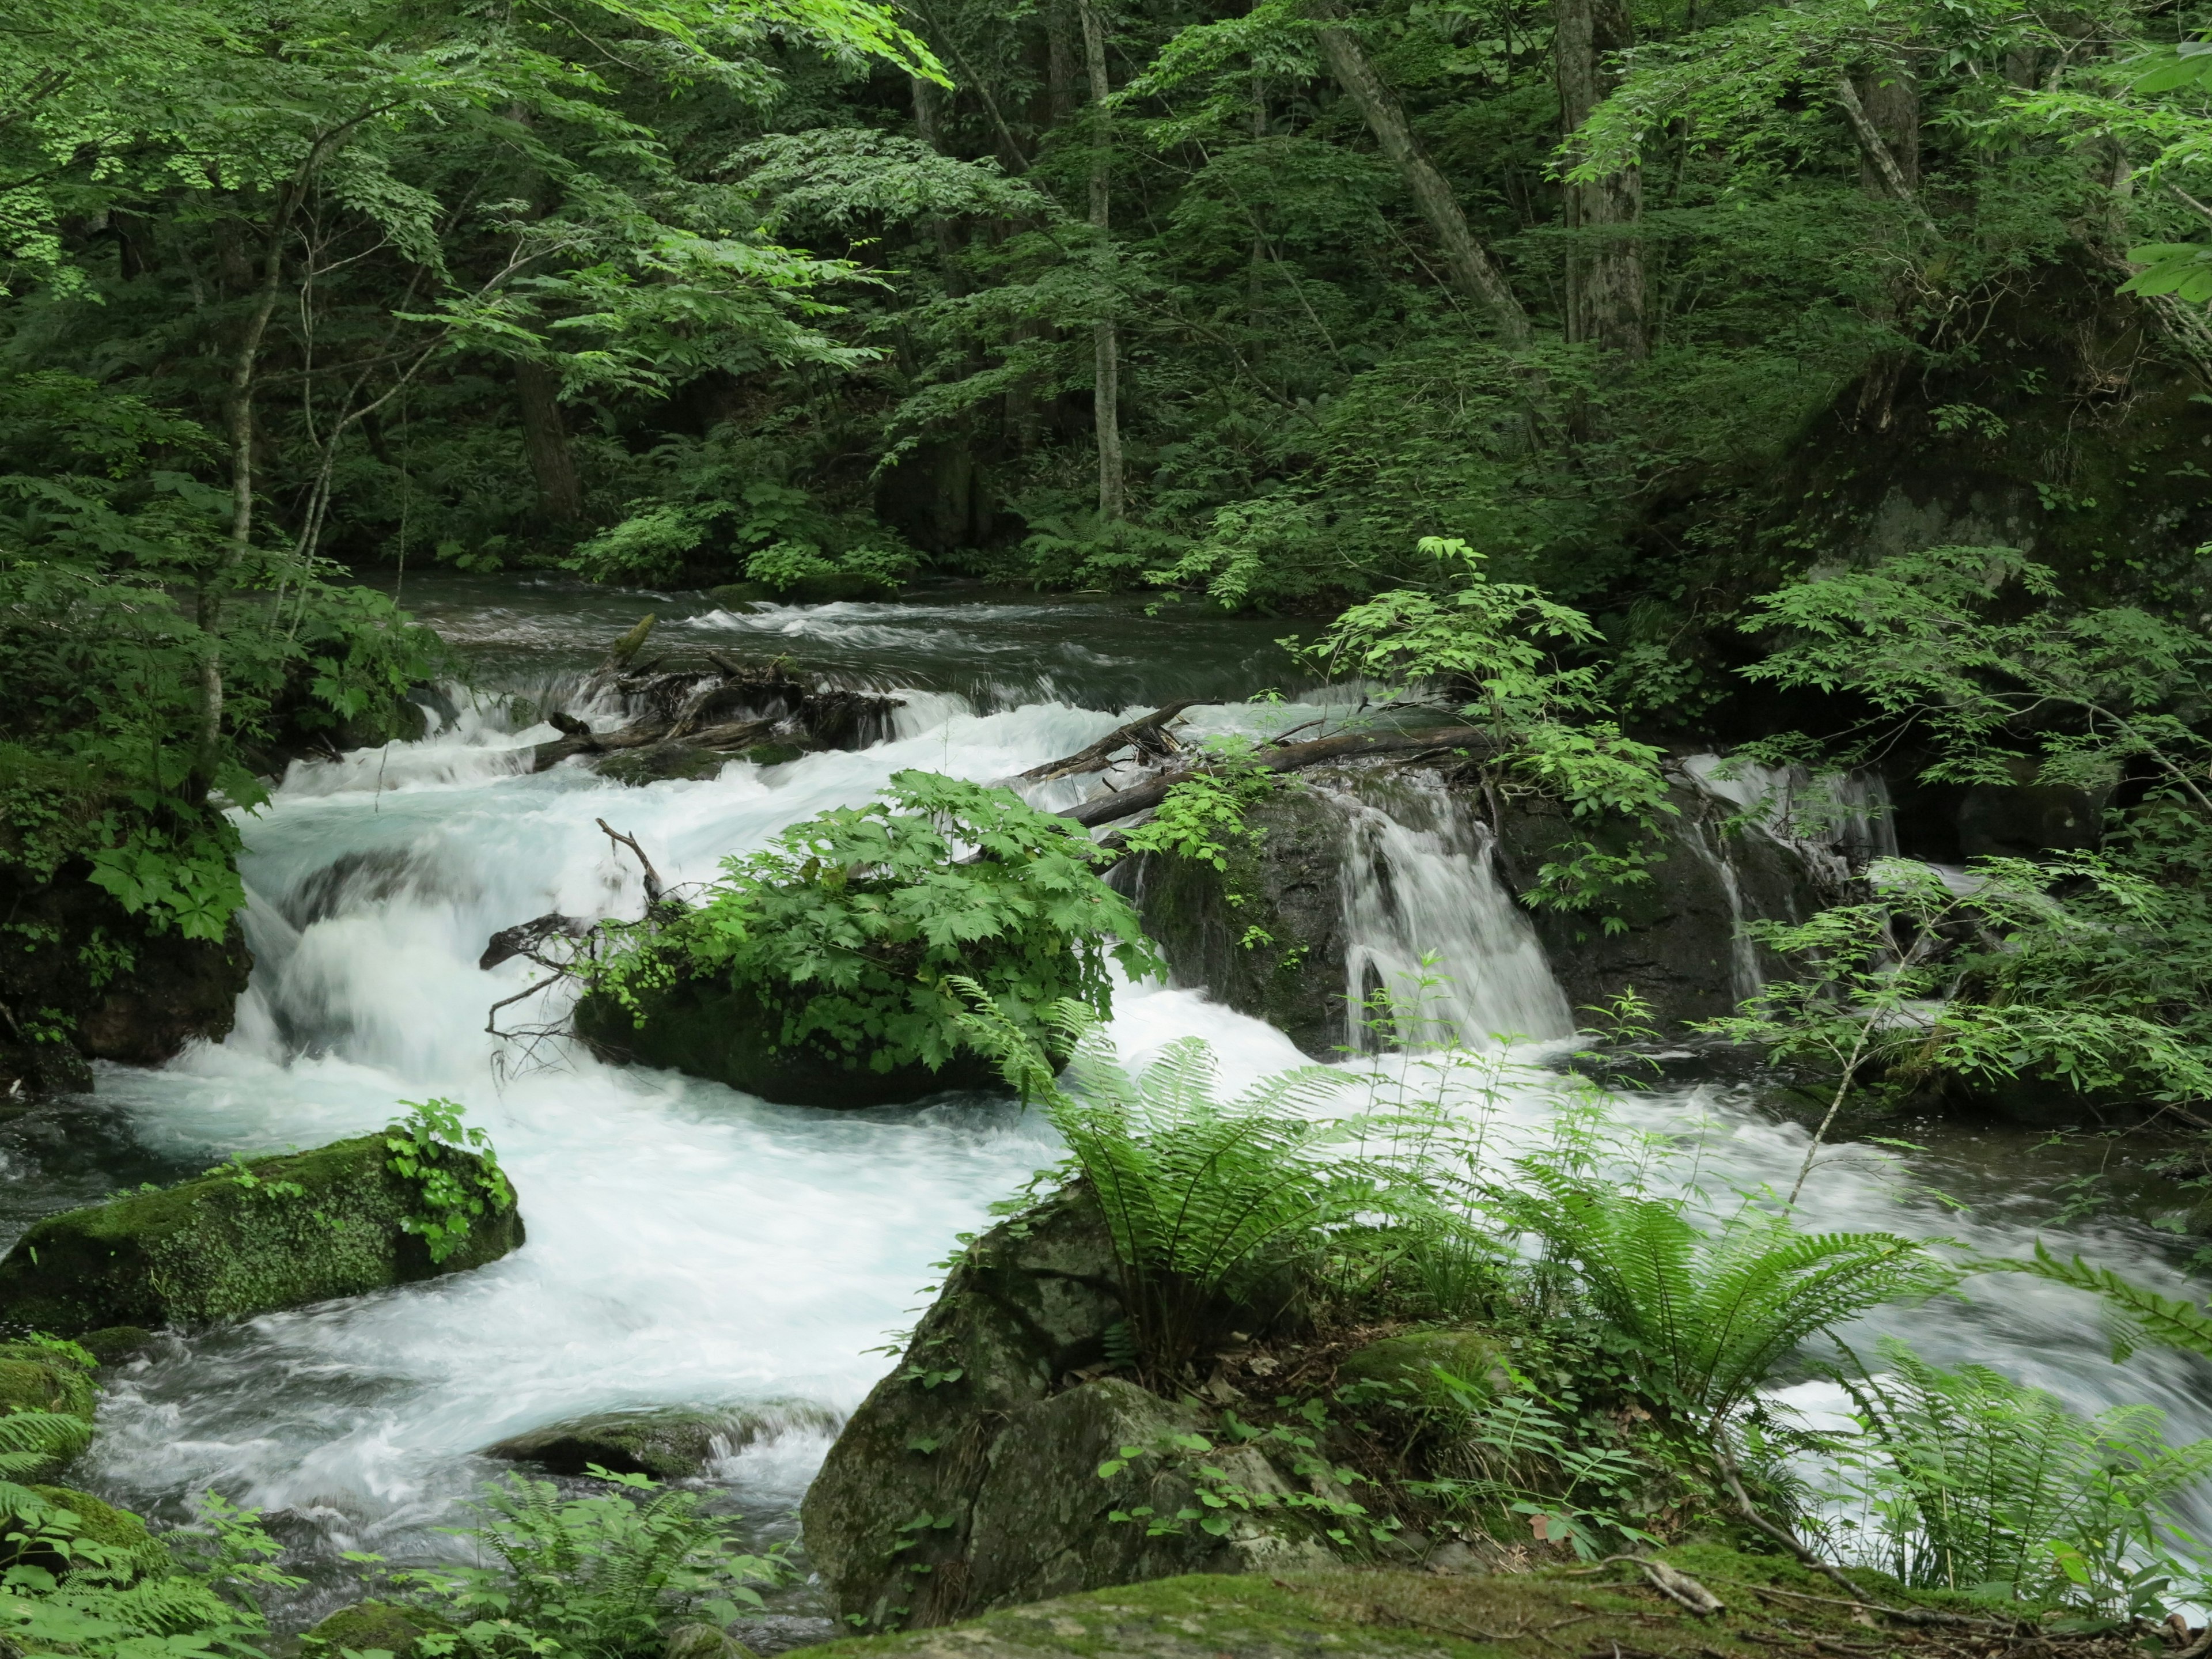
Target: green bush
{"x":846,"y":928}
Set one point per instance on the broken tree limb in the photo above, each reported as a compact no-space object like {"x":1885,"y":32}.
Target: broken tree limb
{"x":1878,"y":151}
{"x":1346,"y":746}
{"x":1147,"y":735}
{"x":524,"y":938}
{"x":652,"y":889}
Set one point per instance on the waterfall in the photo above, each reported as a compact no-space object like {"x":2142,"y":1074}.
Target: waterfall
{"x":1431,"y":927}
{"x":1838,"y":822}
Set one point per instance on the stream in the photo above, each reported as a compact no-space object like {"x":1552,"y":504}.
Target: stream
{"x":689,"y":1245}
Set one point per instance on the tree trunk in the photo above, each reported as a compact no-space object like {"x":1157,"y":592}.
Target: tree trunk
{"x":1605,"y":273}
{"x":1470,"y":266}
{"x":1059,"y":62}
{"x":1105,"y":341}
{"x":545,"y":441}
{"x":1879,"y":154}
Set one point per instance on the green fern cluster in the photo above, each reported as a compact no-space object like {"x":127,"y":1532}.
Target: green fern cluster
{"x":604,"y":1576}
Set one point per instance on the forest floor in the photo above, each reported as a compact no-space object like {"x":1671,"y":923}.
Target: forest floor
{"x":1770,"y":1608}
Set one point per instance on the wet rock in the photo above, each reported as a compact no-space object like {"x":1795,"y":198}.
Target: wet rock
{"x":216,"y":1249}
{"x":662,"y":761}
{"x":2024,"y":820}
{"x":713,"y":1031}
{"x":1267,"y":935}
{"x":668,"y":1444}
{"x":968,"y":1479}
{"x":116,"y":1344}
{"x":382,"y":1625}
{"x":807,"y":590}
{"x":703,"y":1642}
{"x":83,"y":979}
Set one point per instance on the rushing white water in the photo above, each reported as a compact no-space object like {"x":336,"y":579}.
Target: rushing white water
{"x":1431,"y":928}
{"x":690,"y":1245}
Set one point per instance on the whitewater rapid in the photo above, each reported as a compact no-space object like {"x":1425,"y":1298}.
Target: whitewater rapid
{"x":689,"y":1245}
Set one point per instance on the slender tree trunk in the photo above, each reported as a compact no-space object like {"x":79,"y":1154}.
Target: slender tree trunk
{"x":1465,"y":258}
{"x":1059,"y":62}
{"x":1105,"y":341}
{"x":545,"y":441}
{"x":1254,"y":282}
{"x":1879,"y":155}
{"x":1605,"y":275}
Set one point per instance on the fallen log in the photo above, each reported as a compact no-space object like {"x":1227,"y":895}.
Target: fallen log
{"x":1350,"y":745}
{"x":1147,"y":736}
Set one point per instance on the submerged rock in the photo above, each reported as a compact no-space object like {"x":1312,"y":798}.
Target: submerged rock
{"x":969,"y":1478}
{"x":218,"y":1247}
{"x":669,"y":1444}
{"x":713,"y":1031}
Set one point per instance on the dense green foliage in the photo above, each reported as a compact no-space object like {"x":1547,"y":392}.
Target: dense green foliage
{"x":621,"y":1574}
{"x":846,"y":929}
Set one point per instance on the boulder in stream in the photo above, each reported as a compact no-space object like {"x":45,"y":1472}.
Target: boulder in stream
{"x":309,"y":1227}
{"x":969,"y":1478}
{"x":36,"y":1378}
{"x":713,"y":1031}
{"x":669,"y":1443}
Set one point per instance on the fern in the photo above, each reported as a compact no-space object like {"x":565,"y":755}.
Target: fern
{"x":2139,"y":1315}
{"x":1976,"y":1482}
{"x":1713,"y":1312}
{"x":1202,"y":1197}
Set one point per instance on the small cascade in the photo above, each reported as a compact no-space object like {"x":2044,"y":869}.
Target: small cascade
{"x":1430,"y":928}
{"x":1838,"y":822}
{"x":1745,"y":976}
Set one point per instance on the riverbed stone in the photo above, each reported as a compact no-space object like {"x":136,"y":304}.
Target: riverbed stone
{"x":712,"y":1031}
{"x":215,"y":1248}
{"x":971,"y":1479}
{"x":668,"y":1443}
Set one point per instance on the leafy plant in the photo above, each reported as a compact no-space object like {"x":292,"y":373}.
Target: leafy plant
{"x":1974,"y":1482}
{"x":452,"y":1192}
{"x":850,"y":928}
{"x":603,"y":1577}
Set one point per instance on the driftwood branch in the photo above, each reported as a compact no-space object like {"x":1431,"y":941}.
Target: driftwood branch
{"x":1148,"y":736}
{"x":652,"y":876}
{"x":1346,"y":746}
{"x":524,"y":938}
{"x":491,"y":1014}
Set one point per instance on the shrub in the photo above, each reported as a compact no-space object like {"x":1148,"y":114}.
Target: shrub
{"x":846,"y":928}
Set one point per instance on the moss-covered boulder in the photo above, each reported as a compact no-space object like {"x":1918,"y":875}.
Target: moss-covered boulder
{"x":969,"y":1478}
{"x":1424,"y":1367}
{"x":711,"y":1031}
{"x":126,"y":1547}
{"x":116,"y":1344}
{"x":309,"y":1226}
{"x":371,"y":1626}
{"x":670,"y":1444}
{"x":35,"y":1377}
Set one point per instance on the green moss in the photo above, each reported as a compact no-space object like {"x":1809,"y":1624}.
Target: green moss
{"x":1408,"y":1364}
{"x":116,"y":1344}
{"x":97,"y":1522}
{"x":1391,"y":1614}
{"x":214,"y":1249}
{"x":671,"y":1445}
{"x":373,"y":1626}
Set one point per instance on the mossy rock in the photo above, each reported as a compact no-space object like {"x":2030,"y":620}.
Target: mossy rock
{"x":732,"y":595}
{"x":366,"y":1626}
{"x":213,"y":1249}
{"x":771,"y":754}
{"x":671,"y":1445}
{"x":808,"y":589}
{"x":660,"y":762}
{"x":713,"y":1031}
{"x":116,"y":1343}
{"x":97,"y":1522}
{"x":1395,"y":1614}
{"x":1408,"y":1365}
{"x":37,"y":1378}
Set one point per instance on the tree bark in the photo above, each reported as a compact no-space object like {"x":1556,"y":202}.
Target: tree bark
{"x":1471,"y":270}
{"x":1605,"y":273}
{"x":1105,"y":339}
{"x":545,"y":441}
{"x":1059,"y":62}
{"x":1878,"y":153}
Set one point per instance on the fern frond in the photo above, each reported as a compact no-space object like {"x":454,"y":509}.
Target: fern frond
{"x":2140,"y":1314}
